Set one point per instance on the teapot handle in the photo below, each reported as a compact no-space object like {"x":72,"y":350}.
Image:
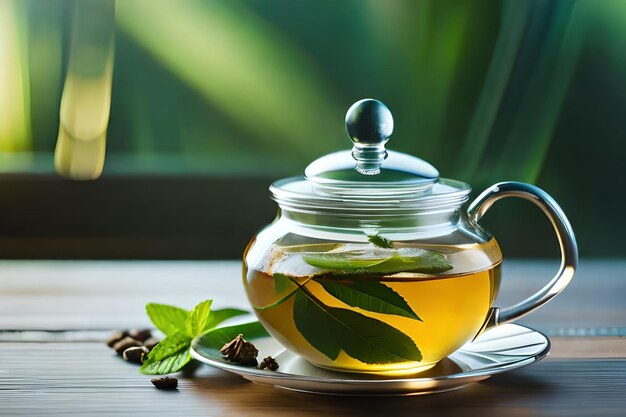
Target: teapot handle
{"x":564,"y":232}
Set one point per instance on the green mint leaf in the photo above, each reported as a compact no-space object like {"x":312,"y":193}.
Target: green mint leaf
{"x":277,"y":302}
{"x":168,"y":346}
{"x":343,"y":261}
{"x":380,"y":241}
{"x":414,"y":260}
{"x":168,"y":365}
{"x":210,"y":342}
{"x":198,"y":318}
{"x":371,"y":296}
{"x":282,"y":283}
{"x":382,"y":262}
{"x":218,"y":316}
{"x":167,"y":318}
{"x":218,"y":337}
{"x":331,"y":330}
{"x":168,"y":356}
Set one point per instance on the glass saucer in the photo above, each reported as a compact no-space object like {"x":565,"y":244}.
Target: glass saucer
{"x":500,"y":349}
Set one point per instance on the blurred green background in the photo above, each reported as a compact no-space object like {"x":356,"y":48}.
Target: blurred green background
{"x":212,"y":100}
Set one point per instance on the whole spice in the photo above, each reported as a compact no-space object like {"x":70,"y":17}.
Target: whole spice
{"x":140,"y":334}
{"x":116,"y":337}
{"x":269,"y":363}
{"x":151,"y":343}
{"x":165,"y":383}
{"x":240,"y":351}
{"x":124,"y":344}
{"x":135,"y":354}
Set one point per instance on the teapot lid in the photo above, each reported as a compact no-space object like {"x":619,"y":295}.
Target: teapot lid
{"x":368,"y":176}
{"x":369,"y":169}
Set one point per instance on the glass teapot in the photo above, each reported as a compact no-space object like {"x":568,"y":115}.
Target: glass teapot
{"x":374,"y":264}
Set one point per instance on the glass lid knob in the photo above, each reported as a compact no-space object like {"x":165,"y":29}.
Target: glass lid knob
{"x":369,"y":124}
{"x":369,"y":170}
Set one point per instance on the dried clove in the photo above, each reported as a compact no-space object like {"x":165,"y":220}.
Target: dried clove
{"x":135,"y":354}
{"x":269,"y":363}
{"x":140,"y":334}
{"x":240,"y":351}
{"x":151,"y":343}
{"x":165,"y":382}
{"x":124,"y":344}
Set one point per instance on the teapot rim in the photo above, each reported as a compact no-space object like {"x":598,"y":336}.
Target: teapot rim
{"x":297,"y":193}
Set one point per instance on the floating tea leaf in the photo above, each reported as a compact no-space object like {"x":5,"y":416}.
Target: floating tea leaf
{"x":385,"y":261}
{"x":345,"y":261}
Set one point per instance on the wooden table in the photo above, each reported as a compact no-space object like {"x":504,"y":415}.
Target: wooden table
{"x":54,"y":316}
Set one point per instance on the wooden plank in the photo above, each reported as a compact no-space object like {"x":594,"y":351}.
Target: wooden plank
{"x":588,"y":347}
{"x":53,"y":295}
{"x":88,"y":379}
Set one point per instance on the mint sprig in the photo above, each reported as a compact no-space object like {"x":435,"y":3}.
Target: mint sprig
{"x":170,"y":355}
{"x":198,"y":318}
{"x":167,"y":318}
{"x":181,"y":327}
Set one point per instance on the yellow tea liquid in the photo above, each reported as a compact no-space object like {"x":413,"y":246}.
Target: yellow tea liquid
{"x":452,"y":305}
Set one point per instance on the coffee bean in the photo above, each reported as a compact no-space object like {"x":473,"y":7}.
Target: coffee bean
{"x":165,"y":383}
{"x":135,"y":354}
{"x":124,"y":344}
{"x":140,"y":334}
{"x":151,"y":343}
{"x":116,"y":337}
